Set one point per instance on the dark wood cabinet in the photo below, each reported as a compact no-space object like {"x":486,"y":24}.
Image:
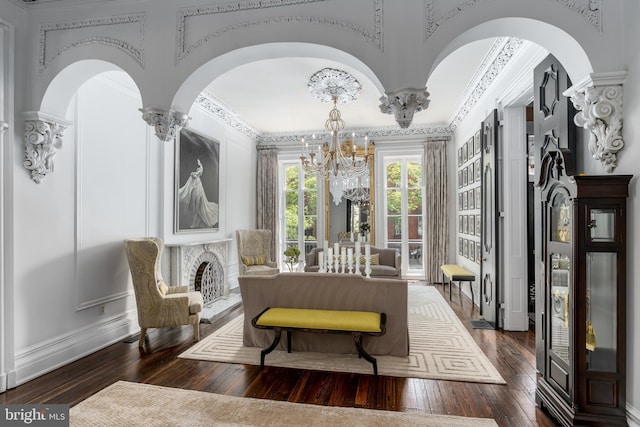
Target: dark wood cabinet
{"x":583,"y":341}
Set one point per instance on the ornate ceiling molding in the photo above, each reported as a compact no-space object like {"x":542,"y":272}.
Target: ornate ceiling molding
{"x":135,"y":21}
{"x":184,"y":14}
{"x":42,"y":138}
{"x":590,"y":10}
{"x":383,"y":132}
{"x":329,"y":83}
{"x":432,"y":22}
{"x":209,"y":103}
{"x":167,"y":123}
{"x":500,"y":54}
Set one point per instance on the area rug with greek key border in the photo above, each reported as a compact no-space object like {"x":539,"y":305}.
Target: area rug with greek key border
{"x":440,"y":348}
{"x":132,"y":405}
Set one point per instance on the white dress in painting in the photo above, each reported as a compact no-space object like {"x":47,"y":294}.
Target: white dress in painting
{"x":194,"y":203}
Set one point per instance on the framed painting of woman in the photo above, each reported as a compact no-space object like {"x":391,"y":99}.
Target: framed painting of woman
{"x":197,"y":182}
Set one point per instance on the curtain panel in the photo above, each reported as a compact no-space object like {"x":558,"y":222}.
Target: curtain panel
{"x":267,"y":192}
{"x":436,"y":229}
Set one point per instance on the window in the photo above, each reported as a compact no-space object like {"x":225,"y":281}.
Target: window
{"x":404,"y":207}
{"x":299,"y":209}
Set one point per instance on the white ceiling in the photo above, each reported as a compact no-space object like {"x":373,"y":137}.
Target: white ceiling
{"x":272,"y":96}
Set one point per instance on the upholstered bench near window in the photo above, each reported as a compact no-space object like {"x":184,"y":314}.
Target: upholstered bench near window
{"x":290,"y":320}
{"x":455,"y":273}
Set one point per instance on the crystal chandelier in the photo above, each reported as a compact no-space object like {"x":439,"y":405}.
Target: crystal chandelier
{"x":335,"y":158}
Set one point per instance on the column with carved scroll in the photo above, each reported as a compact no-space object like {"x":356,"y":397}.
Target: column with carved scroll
{"x":600,"y":108}
{"x":43,"y":137}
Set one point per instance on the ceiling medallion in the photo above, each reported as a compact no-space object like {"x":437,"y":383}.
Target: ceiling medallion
{"x":331,"y":85}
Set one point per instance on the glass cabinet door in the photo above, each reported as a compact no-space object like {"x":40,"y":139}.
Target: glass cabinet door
{"x":559,"y":306}
{"x":601,"y":311}
{"x":602,"y":225}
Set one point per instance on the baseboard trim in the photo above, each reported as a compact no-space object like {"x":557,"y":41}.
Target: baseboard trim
{"x":60,"y":351}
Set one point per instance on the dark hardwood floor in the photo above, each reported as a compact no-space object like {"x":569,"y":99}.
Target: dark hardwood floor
{"x":512,"y":404}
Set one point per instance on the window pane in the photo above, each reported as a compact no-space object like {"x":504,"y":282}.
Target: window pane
{"x":415,"y":202}
{"x":415,"y":227}
{"x":310,"y":181}
{"x":393,"y":175}
{"x":394,"y":202}
{"x":291,"y":178}
{"x":394,"y":228}
{"x":310,"y":205}
{"x":415,"y":255}
{"x":414,"y":175}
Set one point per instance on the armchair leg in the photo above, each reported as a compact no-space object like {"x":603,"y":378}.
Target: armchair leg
{"x":196,"y":331}
{"x":143,"y":332}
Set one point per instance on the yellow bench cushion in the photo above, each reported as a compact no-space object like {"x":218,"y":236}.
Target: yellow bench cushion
{"x":333,"y":320}
{"x":455,"y":272}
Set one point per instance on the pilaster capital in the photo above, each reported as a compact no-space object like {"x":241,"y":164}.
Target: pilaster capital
{"x":167,"y":123}
{"x":42,"y":137}
{"x":403,"y":103}
{"x":3,"y":126}
{"x":600,"y":111}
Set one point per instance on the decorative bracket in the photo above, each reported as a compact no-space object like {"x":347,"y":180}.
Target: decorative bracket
{"x":600,"y":112}
{"x":167,"y":123}
{"x":43,"y":136}
{"x":403,"y":103}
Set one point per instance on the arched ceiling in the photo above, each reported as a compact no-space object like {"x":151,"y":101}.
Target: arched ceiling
{"x":272,"y":96}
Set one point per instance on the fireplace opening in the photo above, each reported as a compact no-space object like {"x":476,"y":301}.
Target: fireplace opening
{"x":207,"y":282}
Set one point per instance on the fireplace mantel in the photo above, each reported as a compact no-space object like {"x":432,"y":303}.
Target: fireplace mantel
{"x":201,"y":263}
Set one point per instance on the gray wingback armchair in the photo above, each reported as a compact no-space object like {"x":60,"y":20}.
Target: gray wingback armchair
{"x":254,"y":252}
{"x":159,"y":305}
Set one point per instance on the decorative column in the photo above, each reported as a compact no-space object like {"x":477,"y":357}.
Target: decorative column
{"x":599,"y":105}
{"x":403,"y":103}
{"x":43,"y":137}
{"x":167,"y":123}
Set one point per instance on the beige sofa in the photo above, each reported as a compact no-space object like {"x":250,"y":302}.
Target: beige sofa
{"x":327,"y":291}
{"x":388,"y":267}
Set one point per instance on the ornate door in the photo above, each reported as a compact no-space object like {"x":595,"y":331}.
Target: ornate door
{"x":489,"y":301}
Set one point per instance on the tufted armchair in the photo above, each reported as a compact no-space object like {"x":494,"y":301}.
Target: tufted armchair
{"x":254,"y":252}
{"x":159,"y":305}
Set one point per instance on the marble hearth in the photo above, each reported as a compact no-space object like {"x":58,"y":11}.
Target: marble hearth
{"x":203,"y":267}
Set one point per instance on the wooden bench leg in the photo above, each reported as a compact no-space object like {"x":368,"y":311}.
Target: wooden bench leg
{"x":273,"y":345}
{"x":288,"y":341}
{"x":357,"y":338}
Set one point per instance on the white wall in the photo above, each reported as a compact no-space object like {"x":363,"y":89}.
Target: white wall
{"x":628,"y":163}
{"x":113,"y":179}
{"x":72,"y":287}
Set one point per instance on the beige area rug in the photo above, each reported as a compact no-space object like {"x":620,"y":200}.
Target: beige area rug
{"x":440,"y":348}
{"x":131,"y":404}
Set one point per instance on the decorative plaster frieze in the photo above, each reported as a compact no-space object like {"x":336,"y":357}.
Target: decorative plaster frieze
{"x":137,"y":53}
{"x":43,"y":137}
{"x":600,"y":112}
{"x":500,"y":54}
{"x":590,"y":10}
{"x":182,"y":50}
{"x":209,"y":103}
{"x":167,"y":123}
{"x":432,"y":23}
{"x":403,"y":103}
{"x":383,"y":132}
